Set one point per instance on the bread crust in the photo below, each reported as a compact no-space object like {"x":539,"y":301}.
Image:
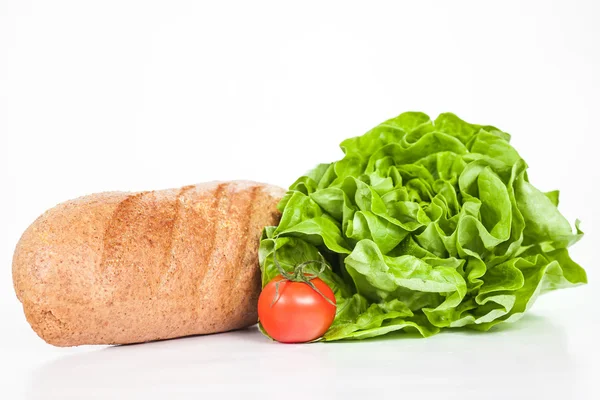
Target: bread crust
{"x":116,"y":268}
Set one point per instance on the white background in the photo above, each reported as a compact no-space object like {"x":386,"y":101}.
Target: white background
{"x":132,"y":95}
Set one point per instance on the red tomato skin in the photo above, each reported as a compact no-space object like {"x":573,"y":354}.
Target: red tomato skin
{"x":299,"y":314}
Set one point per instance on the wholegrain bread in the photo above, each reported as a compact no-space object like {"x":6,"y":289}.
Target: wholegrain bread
{"x":116,"y":268}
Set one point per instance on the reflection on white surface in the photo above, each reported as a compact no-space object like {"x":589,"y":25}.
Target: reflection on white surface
{"x":529,"y":359}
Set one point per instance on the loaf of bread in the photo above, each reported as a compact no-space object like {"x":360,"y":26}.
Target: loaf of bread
{"x":116,"y":268}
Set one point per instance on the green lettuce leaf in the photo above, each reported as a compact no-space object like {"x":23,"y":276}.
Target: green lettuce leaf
{"x":427,"y":225}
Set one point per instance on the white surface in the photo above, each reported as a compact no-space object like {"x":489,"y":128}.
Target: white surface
{"x":130,"y":95}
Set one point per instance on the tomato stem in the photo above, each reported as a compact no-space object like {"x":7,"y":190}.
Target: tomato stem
{"x":298,"y":275}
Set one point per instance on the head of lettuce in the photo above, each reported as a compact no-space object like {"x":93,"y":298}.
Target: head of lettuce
{"x":426,"y":225}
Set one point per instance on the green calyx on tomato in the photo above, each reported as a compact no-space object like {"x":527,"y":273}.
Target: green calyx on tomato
{"x":298,"y":275}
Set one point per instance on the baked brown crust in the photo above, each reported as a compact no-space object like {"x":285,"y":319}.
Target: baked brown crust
{"x":116,"y":268}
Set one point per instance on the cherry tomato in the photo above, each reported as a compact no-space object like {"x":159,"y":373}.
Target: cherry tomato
{"x":299,"y":313}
